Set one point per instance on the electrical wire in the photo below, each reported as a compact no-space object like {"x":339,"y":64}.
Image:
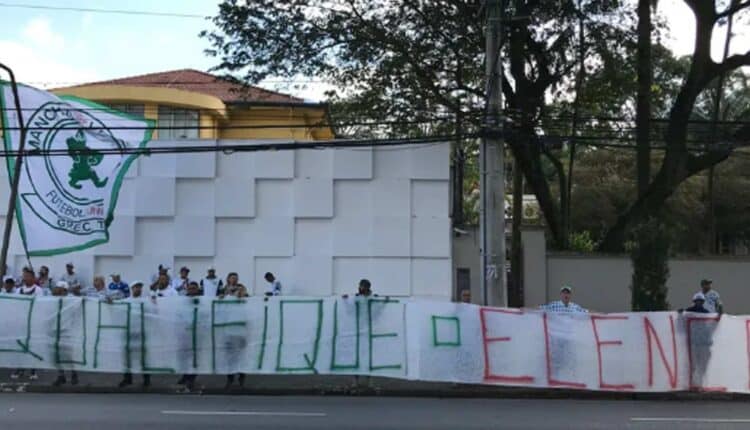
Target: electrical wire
{"x":97,"y":10}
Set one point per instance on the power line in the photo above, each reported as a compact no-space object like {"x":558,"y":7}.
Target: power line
{"x":95,"y":10}
{"x":249,"y":147}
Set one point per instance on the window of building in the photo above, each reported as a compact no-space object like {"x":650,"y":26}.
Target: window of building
{"x":177,"y":123}
{"x":135,"y":110}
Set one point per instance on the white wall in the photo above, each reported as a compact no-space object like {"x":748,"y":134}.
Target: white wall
{"x":319,"y":219}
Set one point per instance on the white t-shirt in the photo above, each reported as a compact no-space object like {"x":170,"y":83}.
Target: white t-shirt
{"x":3,"y":291}
{"x":167,"y":292}
{"x":211,"y":286}
{"x":180,"y":285}
{"x":273,"y":288}
{"x":34,"y":290}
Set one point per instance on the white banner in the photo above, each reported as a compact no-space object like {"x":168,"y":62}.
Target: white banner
{"x":412,"y":339}
{"x":71,"y":178}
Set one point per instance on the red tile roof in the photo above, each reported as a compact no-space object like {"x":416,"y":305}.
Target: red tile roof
{"x":205,"y":83}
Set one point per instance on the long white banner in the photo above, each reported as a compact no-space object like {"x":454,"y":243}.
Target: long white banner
{"x":412,"y":339}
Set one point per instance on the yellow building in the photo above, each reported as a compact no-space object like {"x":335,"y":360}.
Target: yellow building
{"x":189,"y":104}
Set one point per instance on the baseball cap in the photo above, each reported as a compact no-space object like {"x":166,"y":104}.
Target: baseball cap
{"x":699,"y":296}
{"x":184,"y":269}
{"x":8,"y":278}
{"x":567,"y":288}
{"x":211,"y":269}
{"x":136,"y":283}
{"x":706,"y":282}
{"x":69,"y":264}
{"x":115,"y":274}
{"x":62,"y":284}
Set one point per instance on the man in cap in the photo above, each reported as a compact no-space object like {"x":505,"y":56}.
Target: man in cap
{"x":71,"y":277}
{"x":211,"y":284}
{"x":699,"y":301}
{"x":181,"y":284}
{"x":713,"y":302}
{"x":117,"y":288}
{"x":564,"y":304}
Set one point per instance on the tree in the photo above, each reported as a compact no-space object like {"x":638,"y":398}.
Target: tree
{"x":643,"y":108}
{"x":681,"y":161}
{"x":407,"y":60}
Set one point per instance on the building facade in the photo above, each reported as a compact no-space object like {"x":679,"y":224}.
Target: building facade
{"x":319,"y":219}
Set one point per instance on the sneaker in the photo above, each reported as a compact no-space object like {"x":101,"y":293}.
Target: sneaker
{"x":125,"y":382}
{"x":183,"y":390}
{"x":33,"y":376}
{"x":15,"y":375}
{"x":59,"y":381}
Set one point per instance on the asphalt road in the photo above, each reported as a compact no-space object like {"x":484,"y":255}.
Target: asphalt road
{"x":185,"y":412}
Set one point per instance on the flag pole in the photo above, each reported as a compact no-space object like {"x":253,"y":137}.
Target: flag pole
{"x":16,"y":175}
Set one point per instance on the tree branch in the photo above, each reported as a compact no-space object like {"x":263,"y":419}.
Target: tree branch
{"x":734,"y":62}
{"x":733,"y":9}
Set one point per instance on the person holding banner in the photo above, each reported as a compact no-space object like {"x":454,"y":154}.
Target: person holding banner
{"x":44,"y":280}
{"x":98,"y":290}
{"x":136,"y":297}
{"x":61,"y":290}
{"x":188,"y":380}
{"x":564,"y":304}
{"x":713,"y":302}
{"x":71,"y":277}
{"x":211,"y":284}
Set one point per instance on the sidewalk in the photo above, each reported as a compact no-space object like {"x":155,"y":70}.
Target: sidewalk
{"x":325,"y":385}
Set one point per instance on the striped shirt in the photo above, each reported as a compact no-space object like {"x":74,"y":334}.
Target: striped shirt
{"x":559,"y":306}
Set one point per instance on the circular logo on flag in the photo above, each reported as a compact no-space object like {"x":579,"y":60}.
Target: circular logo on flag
{"x":71,"y":174}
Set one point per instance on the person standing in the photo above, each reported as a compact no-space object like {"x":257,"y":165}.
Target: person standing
{"x":98,"y":290}
{"x":188,"y":380}
{"x":136,"y":297}
{"x":28,"y":287}
{"x":274,"y":286}
{"x":163,"y":269}
{"x":211,"y":285}
{"x":713,"y":302}
{"x":71,"y":277}
{"x":162,"y":288}
{"x":699,"y":305}
{"x":44,"y":280}
{"x":9,"y":286}
{"x":181,"y":284}
{"x":234,"y":289}
{"x":117,"y":288}
{"x":565,"y":304}
{"x":61,"y":290}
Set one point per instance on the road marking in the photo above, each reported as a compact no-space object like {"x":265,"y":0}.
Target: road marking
{"x":692,"y":420}
{"x":247,"y":413}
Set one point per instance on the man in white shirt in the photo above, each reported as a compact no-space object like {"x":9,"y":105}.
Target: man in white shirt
{"x":136,"y":296}
{"x":211,"y":284}
{"x":713,"y":302}
{"x":71,"y":277}
{"x":274,"y":286}
{"x":162,"y":288}
{"x":181,"y":284}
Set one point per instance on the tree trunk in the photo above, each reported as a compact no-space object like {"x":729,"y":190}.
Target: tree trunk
{"x":528,"y":155}
{"x":643,"y":102}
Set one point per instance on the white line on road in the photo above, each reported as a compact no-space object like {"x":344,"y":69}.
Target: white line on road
{"x":247,"y":413}
{"x":692,"y":420}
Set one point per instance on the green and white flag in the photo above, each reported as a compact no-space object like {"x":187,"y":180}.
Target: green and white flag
{"x":77,"y":155}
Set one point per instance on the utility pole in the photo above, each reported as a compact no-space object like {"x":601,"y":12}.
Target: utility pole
{"x":491,"y":167}
{"x":10,"y":216}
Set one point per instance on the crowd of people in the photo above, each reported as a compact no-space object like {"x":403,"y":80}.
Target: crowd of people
{"x":707,"y":300}
{"x":161,"y":284}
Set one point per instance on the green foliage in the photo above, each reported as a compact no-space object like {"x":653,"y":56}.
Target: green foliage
{"x":582,"y":242}
{"x":649,"y":252}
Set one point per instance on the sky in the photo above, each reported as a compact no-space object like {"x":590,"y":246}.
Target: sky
{"x":53,"y":48}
